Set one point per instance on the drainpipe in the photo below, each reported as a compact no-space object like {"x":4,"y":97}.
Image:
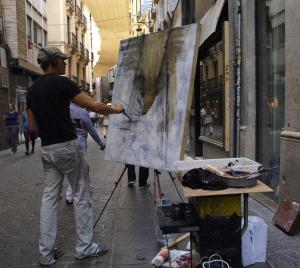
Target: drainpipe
{"x":238,"y":68}
{"x":90,"y":53}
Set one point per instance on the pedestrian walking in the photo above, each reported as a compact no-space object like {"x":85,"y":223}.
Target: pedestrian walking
{"x":105,"y":123}
{"x":83,"y":125}
{"x":93,"y":117}
{"x":11,"y":121}
{"x":27,"y":136}
{"x":143,"y":176}
{"x":48,"y":102}
{"x":207,"y":120}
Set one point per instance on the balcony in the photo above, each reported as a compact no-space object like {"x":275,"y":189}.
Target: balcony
{"x":81,"y":47}
{"x":70,"y":5}
{"x":80,"y":51}
{"x":203,"y":85}
{"x":88,"y":86}
{"x":83,"y":85}
{"x":78,"y":15}
{"x":212,"y":83}
{"x":86,"y":58}
{"x":72,"y":43}
{"x":84,"y":23}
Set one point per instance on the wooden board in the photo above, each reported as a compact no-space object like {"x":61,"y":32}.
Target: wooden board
{"x":259,"y":188}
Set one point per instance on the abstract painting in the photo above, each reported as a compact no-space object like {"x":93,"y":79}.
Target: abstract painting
{"x":154,"y":81}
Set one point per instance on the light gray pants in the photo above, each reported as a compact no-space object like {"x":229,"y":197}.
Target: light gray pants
{"x":58,"y":160}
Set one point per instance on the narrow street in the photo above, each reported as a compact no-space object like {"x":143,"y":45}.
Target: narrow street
{"x":126,"y":227}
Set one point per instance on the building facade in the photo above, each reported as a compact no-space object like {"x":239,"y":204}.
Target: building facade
{"x":4,"y":85}
{"x":71,"y":29}
{"x":25,"y":24}
{"x":246,"y":99}
{"x":241,"y":86}
{"x":23,"y":33}
{"x":141,"y":13}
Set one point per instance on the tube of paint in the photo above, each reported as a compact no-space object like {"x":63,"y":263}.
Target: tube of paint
{"x":161,"y":257}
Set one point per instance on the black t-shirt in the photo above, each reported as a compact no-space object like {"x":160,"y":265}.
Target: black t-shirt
{"x":49,"y":100}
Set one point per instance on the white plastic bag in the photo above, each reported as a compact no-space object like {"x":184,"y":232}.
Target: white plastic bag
{"x":254,"y":241}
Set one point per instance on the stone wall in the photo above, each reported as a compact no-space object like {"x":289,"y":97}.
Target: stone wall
{"x":21,"y":29}
{"x":290,"y":140}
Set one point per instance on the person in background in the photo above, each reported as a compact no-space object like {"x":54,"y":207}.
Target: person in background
{"x":93,"y":117}
{"x":28,"y":137}
{"x":11,"y":121}
{"x":143,"y":176}
{"x":48,"y":109}
{"x":105,"y":123}
{"x":83,"y":124}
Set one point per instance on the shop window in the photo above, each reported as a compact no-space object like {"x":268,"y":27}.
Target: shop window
{"x":212,"y":94}
{"x":29,"y":27}
{"x":271,"y":87}
{"x":45,"y":39}
{"x":35,"y":34}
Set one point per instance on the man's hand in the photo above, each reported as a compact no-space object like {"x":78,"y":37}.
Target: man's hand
{"x":119,"y":108}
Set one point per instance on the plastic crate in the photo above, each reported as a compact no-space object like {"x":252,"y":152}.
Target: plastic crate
{"x":238,"y":164}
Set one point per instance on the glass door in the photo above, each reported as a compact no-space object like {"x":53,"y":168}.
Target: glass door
{"x":270,"y":87}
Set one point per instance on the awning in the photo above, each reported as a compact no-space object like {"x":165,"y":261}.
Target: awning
{"x":113,"y":20}
{"x":210,"y":20}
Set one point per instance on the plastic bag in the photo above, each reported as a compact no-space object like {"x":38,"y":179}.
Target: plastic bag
{"x":254,"y":241}
{"x":160,"y":237}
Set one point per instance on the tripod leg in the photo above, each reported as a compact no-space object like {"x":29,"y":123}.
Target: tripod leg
{"x":116,"y":185}
{"x":154,"y":190}
{"x":160,"y":193}
{"x":173,"y":180}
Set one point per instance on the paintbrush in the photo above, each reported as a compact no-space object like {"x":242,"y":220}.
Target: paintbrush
{"x":129,"y":118}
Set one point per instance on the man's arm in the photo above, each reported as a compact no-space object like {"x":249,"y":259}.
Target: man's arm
{"x":88,"y":126}
{"x":32,"y":125}
{"x":98,"y":107}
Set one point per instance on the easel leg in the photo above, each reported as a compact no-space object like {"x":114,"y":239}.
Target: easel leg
{"x":173,"y":180}
{"x":168,"y":248}
{"x":154,"y":190}
{"x":116,"y":185}
{"x":156,"y":178}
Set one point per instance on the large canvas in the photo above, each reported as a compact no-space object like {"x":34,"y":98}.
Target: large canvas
{"x":154,"y":81}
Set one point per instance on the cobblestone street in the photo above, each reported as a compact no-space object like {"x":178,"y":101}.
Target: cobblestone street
{"x":126,"y":227}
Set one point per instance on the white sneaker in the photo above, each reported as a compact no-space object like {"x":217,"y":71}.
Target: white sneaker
{"x":11,"y":153}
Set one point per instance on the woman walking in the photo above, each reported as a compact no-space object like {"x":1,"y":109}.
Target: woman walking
{"x":11,"y":122}
{"x":105,"y":123}
{"x":28,"y":136}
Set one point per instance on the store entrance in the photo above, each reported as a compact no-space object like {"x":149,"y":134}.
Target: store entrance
{"x":270,"y":88}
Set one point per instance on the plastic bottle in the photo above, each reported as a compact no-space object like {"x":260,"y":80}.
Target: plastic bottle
{"x":161,"y":257}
